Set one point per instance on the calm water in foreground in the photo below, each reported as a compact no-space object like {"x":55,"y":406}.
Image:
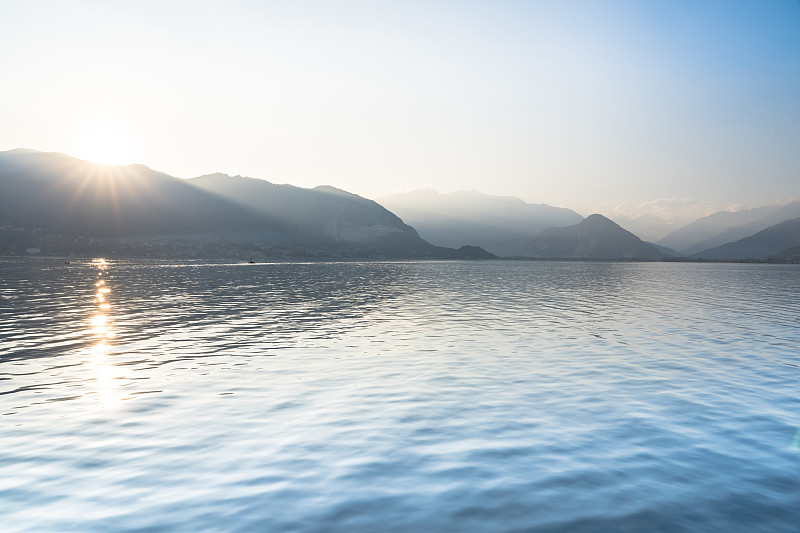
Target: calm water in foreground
{"x":440,"y":396}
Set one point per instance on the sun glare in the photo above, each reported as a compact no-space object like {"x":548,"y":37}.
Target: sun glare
{"x":106,"y":146}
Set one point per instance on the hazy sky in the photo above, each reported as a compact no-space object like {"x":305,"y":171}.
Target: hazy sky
{"x":587,"y":104}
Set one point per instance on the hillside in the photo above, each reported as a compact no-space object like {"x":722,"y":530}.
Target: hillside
{"x":324,"y":211}
{"x":727,"y":226}
{"x":59,"y":193}
{"x":649,"y":228}
{"x":70,"y":204}
{"x":773,"y":240}
{"x":500,"y":224}
{"x":596,"y":237}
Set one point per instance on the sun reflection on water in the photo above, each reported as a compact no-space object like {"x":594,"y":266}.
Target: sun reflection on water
{"x":101,"y":328}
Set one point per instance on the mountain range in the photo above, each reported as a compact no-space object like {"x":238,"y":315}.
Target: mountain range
{"x":727,"y":226}
{"x":651,"y":228}
{"x":776,"y":240}
{"x":61,"y":204}
{"x":595,"y":237}
{"x":62,"y":195}
{"x":500,"y":224}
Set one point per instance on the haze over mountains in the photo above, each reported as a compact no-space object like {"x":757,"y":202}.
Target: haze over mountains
{"x":59,"y":193}
{"x":650,"y":228}
{"x":502,"y":225}
{"x":775,"y":240}
{"x":727,"y":226}
{"x":321,"y":212}
{"x":67,"y":202}
{"x":66,"y":196}
{"x":595,"y":237}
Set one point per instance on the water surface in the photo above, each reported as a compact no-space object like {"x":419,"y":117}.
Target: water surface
{"x":422,"y":396}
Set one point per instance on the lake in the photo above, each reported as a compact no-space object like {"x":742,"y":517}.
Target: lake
{"x":399,"y":396}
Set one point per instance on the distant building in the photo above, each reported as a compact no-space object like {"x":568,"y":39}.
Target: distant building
{"x":33,"y":250}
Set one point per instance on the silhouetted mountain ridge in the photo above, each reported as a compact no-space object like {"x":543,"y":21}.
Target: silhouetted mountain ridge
{"x":58,"y":192}
{"x":324,"y":211}
{"x":770,"y":241}
{"x":724,"y":227}
{"x":500,"y":224}
{"x":65,"y":196}
{"x":648,"y":227}
{"x":596,"y":237}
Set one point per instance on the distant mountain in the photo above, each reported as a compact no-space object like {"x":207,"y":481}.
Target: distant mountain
{"x":59,"y":193}
{"x":321,"y":212}
{"x":500,"y":224}
{"x":727,"y":226}
{"x":649,"y":228}
{"x":664,"y":250}
{"x":596,"y":237}
{"x":67,"y":199}
{"x":773,"y":240}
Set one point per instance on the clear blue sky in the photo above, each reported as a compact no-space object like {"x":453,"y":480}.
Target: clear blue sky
{"x":576,"y":103}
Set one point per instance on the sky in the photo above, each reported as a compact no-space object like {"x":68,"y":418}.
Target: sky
{"x":595,"y":105}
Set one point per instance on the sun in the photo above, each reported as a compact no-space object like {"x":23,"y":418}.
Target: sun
{"x":105,"y":145}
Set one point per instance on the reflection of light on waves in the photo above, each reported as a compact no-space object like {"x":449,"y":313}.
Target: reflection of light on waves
{"x":103,"y":370}
{"x":103,"y":375}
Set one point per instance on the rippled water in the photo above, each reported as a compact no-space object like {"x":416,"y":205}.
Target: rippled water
{"x":425,"y":396}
